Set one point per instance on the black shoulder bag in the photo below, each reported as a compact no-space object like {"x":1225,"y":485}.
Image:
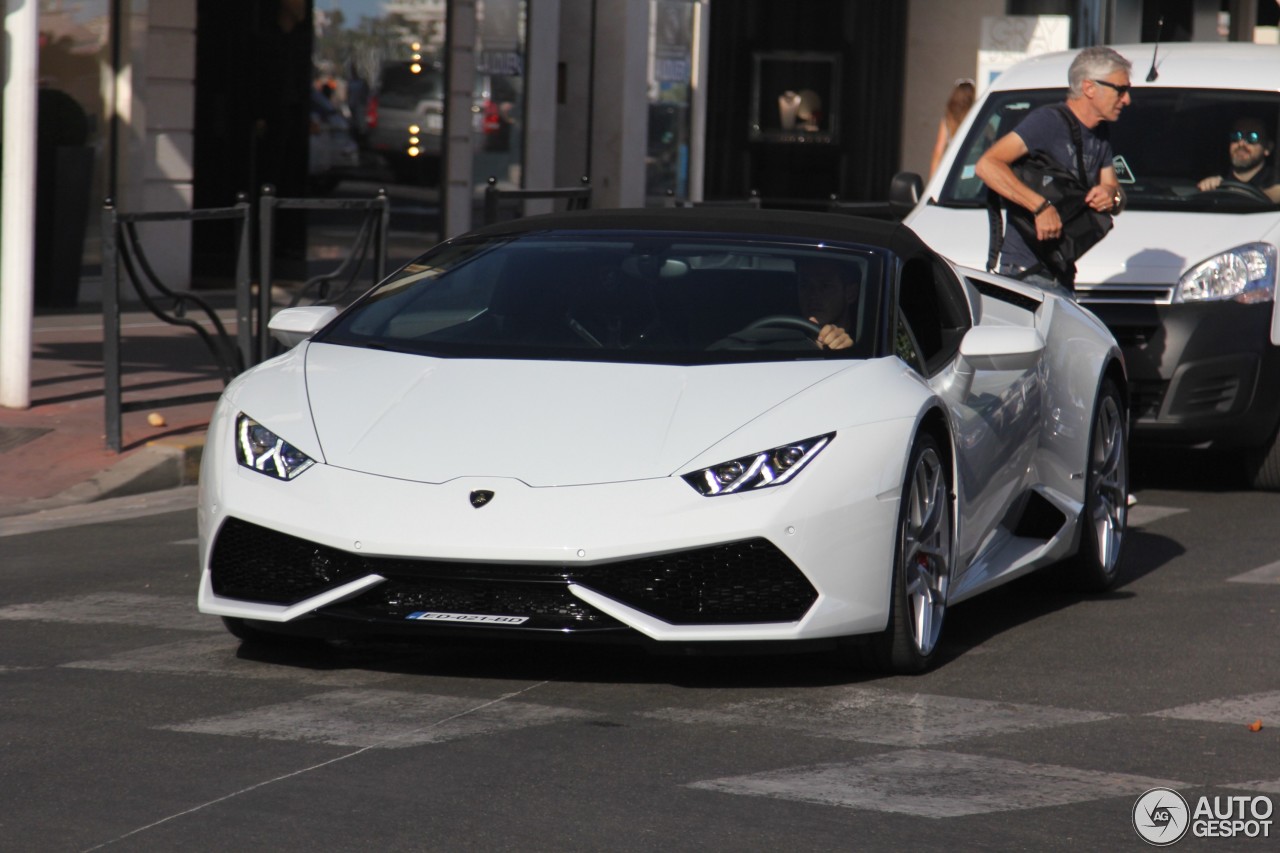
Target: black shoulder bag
{"x":1082,"y":226}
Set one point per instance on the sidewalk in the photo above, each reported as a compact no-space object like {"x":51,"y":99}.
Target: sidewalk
{"x":54,"y":453}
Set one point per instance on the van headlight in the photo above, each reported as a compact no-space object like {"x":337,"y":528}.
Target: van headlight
{"x":1244,"y":274}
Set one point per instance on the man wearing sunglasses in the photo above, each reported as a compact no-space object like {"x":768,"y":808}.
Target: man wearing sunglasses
{"x":1249,"y":146}
{"x":1098,"y":82}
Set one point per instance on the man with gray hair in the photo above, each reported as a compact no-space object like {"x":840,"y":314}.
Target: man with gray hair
{"x":1099,"y":91}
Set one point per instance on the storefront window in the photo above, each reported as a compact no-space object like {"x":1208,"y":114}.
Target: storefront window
{"x":498,"y":106}
{"x":382,"y":64}
{"x":670,"y":90}
{"x":70,"y":145}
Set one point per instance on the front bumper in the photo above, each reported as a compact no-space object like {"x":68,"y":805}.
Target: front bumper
{"x":651,"y":559}
{"x":1201,"y":375}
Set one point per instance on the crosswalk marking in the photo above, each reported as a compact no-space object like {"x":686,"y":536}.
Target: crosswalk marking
{"x":1269,"y":573}
{"x":927,"y":783}
{"x":117,"y":608}
{"x":217,"y":656}
{"x":1241,"y":710}
{"x":379,"y":718}
{"x":874,"y":715}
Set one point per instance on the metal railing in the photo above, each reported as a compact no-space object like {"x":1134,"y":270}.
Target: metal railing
{"x":123,"y":258}
{"x":372,"y":237}
{"x":579,"y":198}
{"x":122,"y":249}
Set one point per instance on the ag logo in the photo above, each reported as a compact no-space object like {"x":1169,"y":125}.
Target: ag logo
{"x":1161,"y":816}
{"x":481,"y":497}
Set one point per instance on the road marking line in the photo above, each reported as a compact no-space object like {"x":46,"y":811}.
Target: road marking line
{"x":218,"y":656}
{"x":377,"y":718}
{"x":1269,"y":573}
{"x":1240,"y":710}
{"x":1268,"y":786}
{"x":117,"y":608}
{"x":873,"y":715}
{"x":304,"y":770}
{"x":927,"y":783}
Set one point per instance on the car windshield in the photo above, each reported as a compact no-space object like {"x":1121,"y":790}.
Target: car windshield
{"x":1165,"y":143}
{"x":621,"y":297}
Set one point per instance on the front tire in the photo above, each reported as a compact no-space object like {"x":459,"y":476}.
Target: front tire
{"x":1105,"y":516}
{"x":1263,"y":466}
{"x":921,"y":567}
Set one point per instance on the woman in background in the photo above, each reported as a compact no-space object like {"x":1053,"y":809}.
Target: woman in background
{"x":958,"y":105}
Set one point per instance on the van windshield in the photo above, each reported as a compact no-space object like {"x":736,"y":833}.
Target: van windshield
{"x":1166,"y":142}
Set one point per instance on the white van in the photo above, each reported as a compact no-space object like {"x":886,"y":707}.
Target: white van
{"x":1186,"y":280}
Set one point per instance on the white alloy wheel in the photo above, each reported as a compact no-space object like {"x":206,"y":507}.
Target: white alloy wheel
{"x":922,"y":567}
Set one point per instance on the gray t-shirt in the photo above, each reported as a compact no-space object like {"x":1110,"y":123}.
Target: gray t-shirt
{"x":1044,"y":130}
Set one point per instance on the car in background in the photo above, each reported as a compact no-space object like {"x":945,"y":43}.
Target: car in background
{"x":1186,"y":280}
{"x":404,"y":122}
{"x":617,"y":425}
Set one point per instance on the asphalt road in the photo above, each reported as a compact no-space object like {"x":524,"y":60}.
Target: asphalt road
{"x":130,"y":722}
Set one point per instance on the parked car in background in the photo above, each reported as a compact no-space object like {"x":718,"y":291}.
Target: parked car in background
{"x":404,"y":122}
{"x":1187,"y":279}
{"x":618,"y":425}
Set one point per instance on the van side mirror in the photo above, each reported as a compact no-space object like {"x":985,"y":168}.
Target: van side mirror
{"x":905,"y":190}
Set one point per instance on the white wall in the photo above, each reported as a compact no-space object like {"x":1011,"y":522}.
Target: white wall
{"x":158,"y":131}
{"x":619,"y":132}
{"x":574,"y":64}
{"x":942,"y":45}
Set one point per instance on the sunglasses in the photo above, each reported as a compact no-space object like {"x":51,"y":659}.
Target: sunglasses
{"x":1121,"y":91}
{"x":1252,"y":137}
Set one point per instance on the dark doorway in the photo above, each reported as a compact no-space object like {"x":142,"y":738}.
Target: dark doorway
{"x":253,"y":79}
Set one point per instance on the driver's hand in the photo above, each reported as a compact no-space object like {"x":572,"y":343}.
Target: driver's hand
{"x":1210,"y":183}
{"x":832,"y":337}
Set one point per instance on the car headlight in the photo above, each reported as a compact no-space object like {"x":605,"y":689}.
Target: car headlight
{"x":1245,"y":274}
{"x":267,"y":453}
{"x":758,"y":471}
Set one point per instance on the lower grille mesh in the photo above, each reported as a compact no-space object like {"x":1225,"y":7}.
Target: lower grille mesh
{"x":737,"y":582}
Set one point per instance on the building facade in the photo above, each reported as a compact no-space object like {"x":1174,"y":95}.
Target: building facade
{"x":183,"y":104}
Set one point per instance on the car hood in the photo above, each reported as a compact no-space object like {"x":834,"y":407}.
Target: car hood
{"x":546,"y":423}
{"x":1144,"y":247}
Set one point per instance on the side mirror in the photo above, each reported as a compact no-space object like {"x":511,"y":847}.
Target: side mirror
{"x":905,"y":190}
{"x":995,"y":348}
{"x":292,"y":326}
{"x":1002,"y":347}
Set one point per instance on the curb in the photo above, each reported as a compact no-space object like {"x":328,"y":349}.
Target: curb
{"x":167,"y":463}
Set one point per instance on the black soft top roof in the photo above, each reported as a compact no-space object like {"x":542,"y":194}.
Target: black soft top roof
{"x":806,"y":225}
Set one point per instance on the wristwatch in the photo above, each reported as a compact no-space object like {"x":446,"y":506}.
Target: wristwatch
{"x":1117,"y":199}
{"x":1044,"y":205}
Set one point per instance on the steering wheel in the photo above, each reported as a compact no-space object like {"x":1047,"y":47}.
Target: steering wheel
{"x":1244,"y":189}
{"x":787,"y":321}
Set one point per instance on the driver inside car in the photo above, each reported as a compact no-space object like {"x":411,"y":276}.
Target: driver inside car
{"x":828,"y":298}
{"x":1249,"y":147}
